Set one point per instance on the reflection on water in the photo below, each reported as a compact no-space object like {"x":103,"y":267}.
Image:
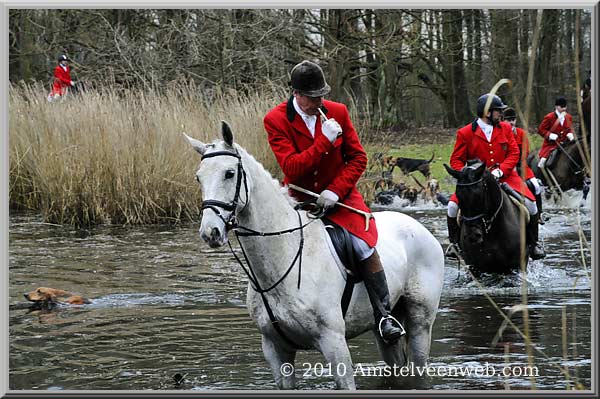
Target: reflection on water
{"x":163,"y":303}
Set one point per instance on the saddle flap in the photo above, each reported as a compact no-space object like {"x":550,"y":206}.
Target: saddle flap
{"x":342,"y":243}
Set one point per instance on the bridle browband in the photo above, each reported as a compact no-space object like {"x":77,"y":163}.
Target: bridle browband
{"x":487,"y":223}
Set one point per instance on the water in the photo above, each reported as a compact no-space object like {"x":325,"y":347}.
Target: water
{"x":164,"y":303}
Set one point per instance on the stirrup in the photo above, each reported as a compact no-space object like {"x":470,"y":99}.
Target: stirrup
{"x":402,"y":330}
{"x":452,"y":251}
{"x":542,"y":219}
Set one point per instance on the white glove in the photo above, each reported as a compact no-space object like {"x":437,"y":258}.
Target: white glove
{"x":497,"y":173}
{"x":72,"y":83}
{"x":331,"y":129}
{"x":327,"y":199}
{"x":570,"y":136}
{"x":552,"y":136}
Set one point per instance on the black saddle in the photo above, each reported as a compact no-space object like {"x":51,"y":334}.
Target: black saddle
{"x":340,"y":237}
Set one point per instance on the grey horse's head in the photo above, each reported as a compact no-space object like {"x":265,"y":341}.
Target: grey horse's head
{"x":224,"y":186}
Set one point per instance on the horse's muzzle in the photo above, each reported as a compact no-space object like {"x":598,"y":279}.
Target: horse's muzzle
{"x":213,"y":237}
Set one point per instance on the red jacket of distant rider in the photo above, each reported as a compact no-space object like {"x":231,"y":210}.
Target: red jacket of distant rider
{"x":62,"y":80}
{"x":500,"y":152}
{"x":316,"y":164}
{"x":551,"y":124}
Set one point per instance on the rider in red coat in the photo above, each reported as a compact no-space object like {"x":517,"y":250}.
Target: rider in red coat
{"x":324,"y":155}
{"x":533,"y":184}
{"x":62,"y":78}
{"x":493,"y":142}
{"x":556,"y":127}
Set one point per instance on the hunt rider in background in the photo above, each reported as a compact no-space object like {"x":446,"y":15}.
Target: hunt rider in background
{"x":492,"y":141}
{"x":324,"y":155}
{"x":556,"y":128}
{"x":62,"y":78}
{"x":533,"y":183}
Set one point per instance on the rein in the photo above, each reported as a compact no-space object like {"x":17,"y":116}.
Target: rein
{"x":487,"y":223}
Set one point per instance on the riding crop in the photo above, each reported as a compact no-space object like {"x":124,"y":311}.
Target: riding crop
{"x":367,"y":215}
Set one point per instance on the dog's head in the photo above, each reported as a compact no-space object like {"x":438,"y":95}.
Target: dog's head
{"x":433,"y":186}
{"x":44,"y":295}
{"x":411,"y":194}
{"x":49,"y":296}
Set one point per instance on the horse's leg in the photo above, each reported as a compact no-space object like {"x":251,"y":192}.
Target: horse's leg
{"x":393,"y":354}
{"x":276,"y":357}
{"x":419,"y":323}
{"x":335,"y":350}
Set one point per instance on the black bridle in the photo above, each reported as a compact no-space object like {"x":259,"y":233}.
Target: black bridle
{"x":486,"y":221}
{"x":214,"y":205}
{"x":241,"y":231}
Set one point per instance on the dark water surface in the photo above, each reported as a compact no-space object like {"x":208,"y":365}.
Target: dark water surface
{"x":165,"y":303}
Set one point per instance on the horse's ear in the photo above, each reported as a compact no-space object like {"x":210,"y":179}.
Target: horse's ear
{"x":452,"y":172}
{"x":227,"y":134}
{"x":480,"y":169}
{"x":199,"y":146}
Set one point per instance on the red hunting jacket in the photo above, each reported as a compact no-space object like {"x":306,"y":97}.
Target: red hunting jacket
{"x":501,"y":152}
{"x":317,"y":164}
{"x":62,"y":80}
{"x":523,"y":144}
{"x":551,"y":124}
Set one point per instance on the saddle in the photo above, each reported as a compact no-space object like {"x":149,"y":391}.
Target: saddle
{"x":340,"y":238}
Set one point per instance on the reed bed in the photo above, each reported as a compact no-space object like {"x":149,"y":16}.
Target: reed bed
{"x":119,"y":157}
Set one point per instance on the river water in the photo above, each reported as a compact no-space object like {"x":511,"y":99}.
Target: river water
{"x":164,"y":303}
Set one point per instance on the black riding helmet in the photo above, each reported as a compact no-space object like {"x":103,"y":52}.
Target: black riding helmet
{"x":496,"y":103}
{"x":308,"y":79}
{"x":510,"y":113}
{"x":63,"y":57}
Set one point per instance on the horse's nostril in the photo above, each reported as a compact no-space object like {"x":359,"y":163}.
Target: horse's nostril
{"x":214,"y":233}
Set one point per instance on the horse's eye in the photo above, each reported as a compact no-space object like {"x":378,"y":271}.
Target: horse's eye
{"x":229,"y":174}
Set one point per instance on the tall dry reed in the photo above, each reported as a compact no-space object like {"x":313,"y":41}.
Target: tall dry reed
{"x":119,"y":156}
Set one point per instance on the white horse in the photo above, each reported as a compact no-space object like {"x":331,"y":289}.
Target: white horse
{"x":237,"y":187}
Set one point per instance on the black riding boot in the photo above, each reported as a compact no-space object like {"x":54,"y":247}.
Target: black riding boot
{"x":536,"y":251}
{"x":454,"y":236}
{"x":373,"y":274}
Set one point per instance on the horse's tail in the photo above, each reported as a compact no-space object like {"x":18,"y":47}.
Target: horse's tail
{"x":432,"y":156}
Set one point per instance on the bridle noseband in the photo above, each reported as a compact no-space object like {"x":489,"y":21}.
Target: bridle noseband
{"x":215,"y":205}
{"x":487,"y":223}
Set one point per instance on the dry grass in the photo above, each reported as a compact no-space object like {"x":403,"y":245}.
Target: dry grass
{"x":120,"y":157}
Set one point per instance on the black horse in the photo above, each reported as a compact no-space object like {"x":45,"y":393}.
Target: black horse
{"x":566,"y":170}
{"x":490,"y":233}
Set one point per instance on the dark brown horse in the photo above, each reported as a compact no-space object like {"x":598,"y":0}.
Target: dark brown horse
{"x":490,"y":234}
{"x":567,"y":171}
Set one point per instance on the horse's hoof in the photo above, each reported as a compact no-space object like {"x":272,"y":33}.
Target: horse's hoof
{"x":536,"y":252}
